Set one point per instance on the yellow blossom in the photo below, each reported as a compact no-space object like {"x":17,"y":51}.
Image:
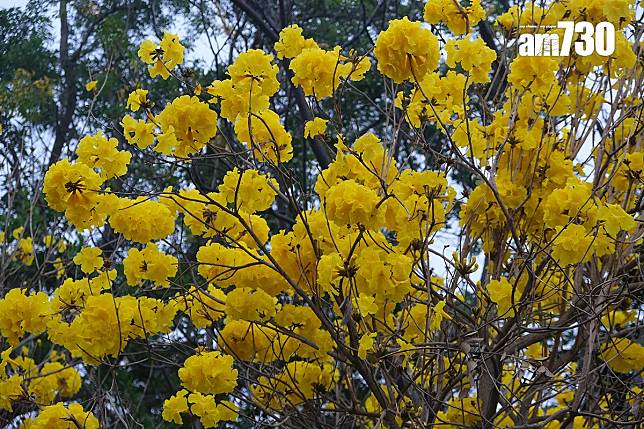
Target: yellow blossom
{"x":209,"y":372}
{"x":137,"y":99}
{"x":90,"y":86}
{"x":89,"y":259}
{"x":406,"y":51}
{"x":315,"y":127}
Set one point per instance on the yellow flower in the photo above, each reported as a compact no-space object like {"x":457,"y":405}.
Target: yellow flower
{"x":454,"y":14}
{"x":60,"y":416}
{"x":531,"y":14}
{"x":501,"y":294}
{"x":204,"y":407}
{"x":615,"y":219}
{"x":571,"y":245}
{"x":204,"y":307}
{"x":100,"y":153}
{"x":174,"y":406}
{"x":106,"y":323}
{"x":250,"y":304}
{"x":5,"y":358}
{"x":17,"y":232}
{"x":319,"y":72}
{"x":10,"y":390}
{"x":209,"y":411}
{"x":244,"y":340}
{"x":138,"y":131}
{"x":74,"y":188}
{"x":536,"y":74}
{"x":50,"y":380}
{"x":367,"y":305}
{"x":249,"y":190}
{"x":617,"y":10}
{"x":623,"y":355}
{"x":209,"y":372}
{"x":25,"y":251}
{"x":349,"y":203}
{"x":617,"y":318}
{"x":438,"y":315}
{"x":142,"y":220}
{"x":291,"y":42}
{"x":164,"y":57}
{"x":236,"y":100}
{"x":265,"y":134}
{"x":473,"y":55}
{"x":567,"y":203}
{"x":147,"y":52}
{"x":149,"y":264}
{"x":205,"y":216}
{"x":71,"y":185}
{"x":365,"y":345}
{"x":91,"y":85}
{"x":330,"y":270}
{"x":253,"y":71}
{"x":21,"y":313}
{"x":137,"y":99}
{"x":187,"y":125}
{"x":315,"y":127}
{"x":89,"y":259}
{"x":406,"y":51}
{"x":172,"y":50}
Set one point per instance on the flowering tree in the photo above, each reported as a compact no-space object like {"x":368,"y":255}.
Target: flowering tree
{"x":270,"y":298}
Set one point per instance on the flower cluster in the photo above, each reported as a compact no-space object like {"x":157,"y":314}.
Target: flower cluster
{"x":149,"y":264}
{"x":459,"y":17}
{"x":335,"y":291}
{"x":406,"y":51}
{"x":163,"y":57}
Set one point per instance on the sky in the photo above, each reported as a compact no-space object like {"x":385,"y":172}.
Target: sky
{"x":5,"y":4}
{"x":200,"y":50}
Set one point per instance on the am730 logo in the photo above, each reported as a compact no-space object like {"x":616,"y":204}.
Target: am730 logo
{"x":584,"y":37}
